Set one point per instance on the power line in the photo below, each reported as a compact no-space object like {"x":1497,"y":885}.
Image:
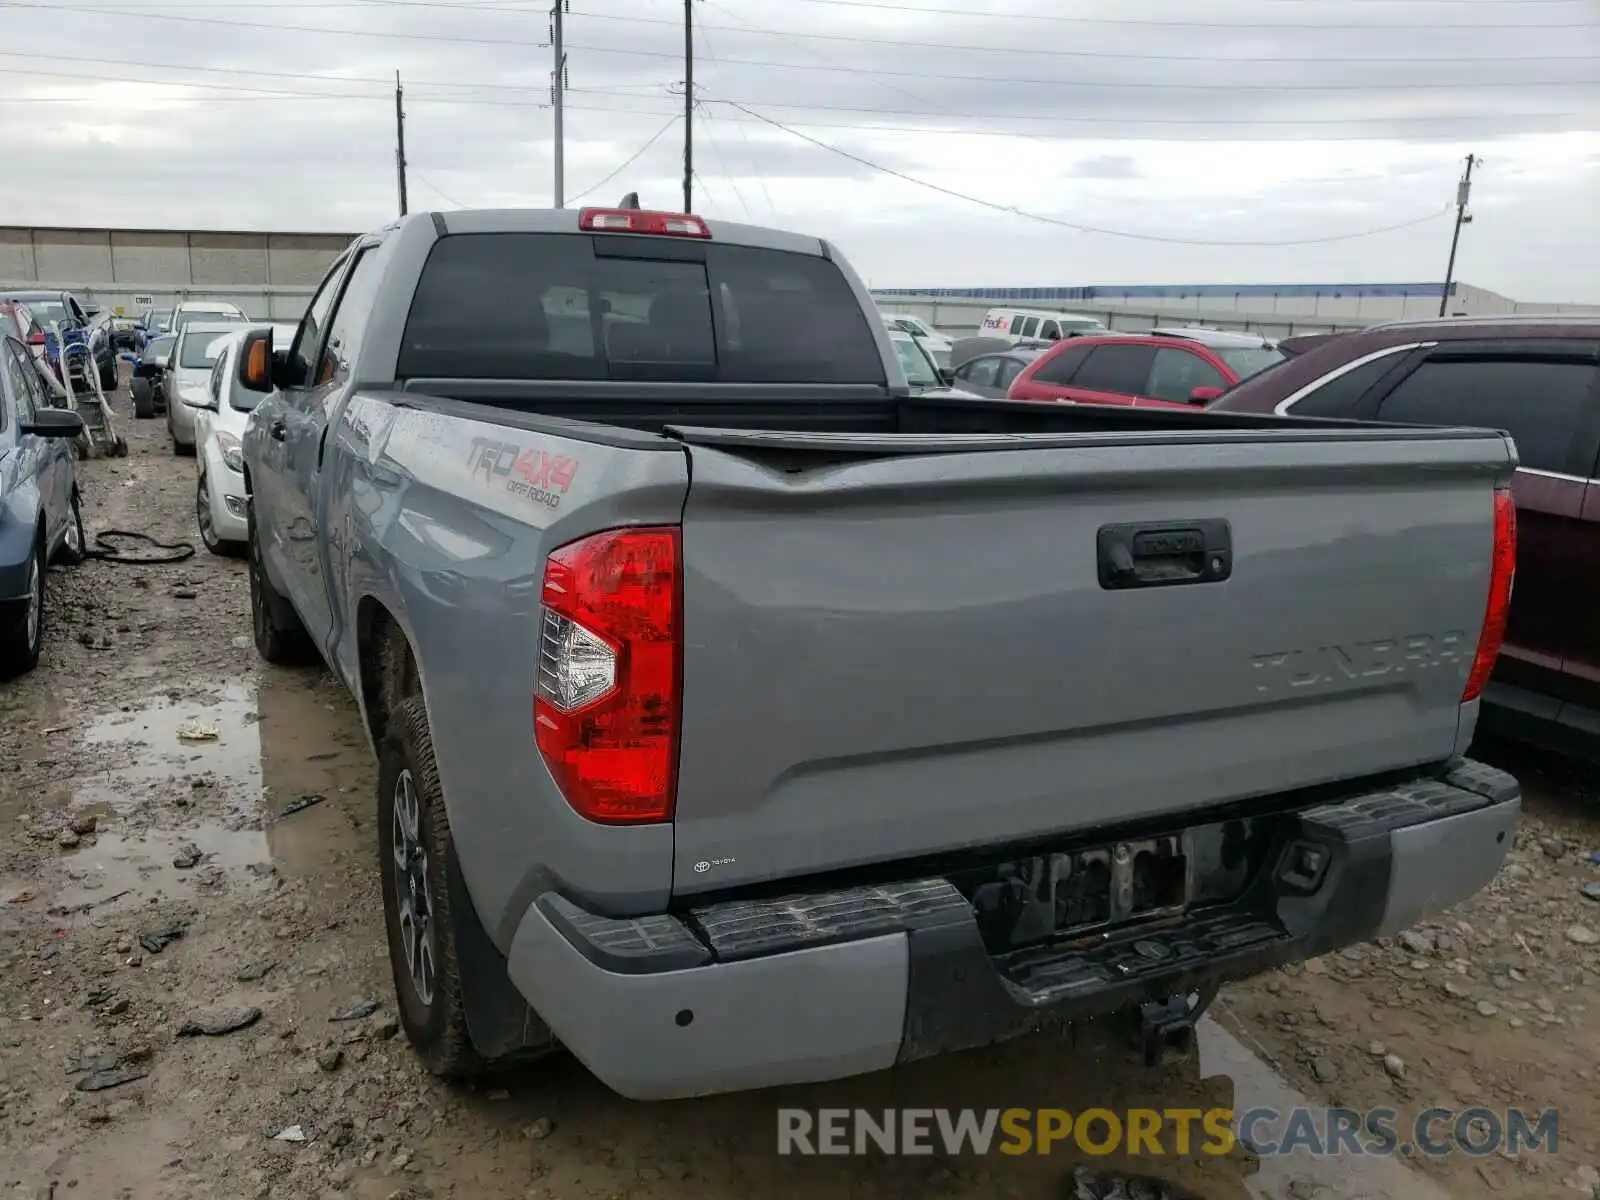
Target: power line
{"x":514,"y":7}
{"x":879,"y":5}
{"x":436,"y":190}
{"x":1075,"y":225}
{"x":882,"y":72}
{"x":892,"y":87}
{"x":262,"y":93}
{"x":1103,"y":84}
{"x":277,"y":27}
{"x":629,"y":161}
{"x":1218,"y":123}
{"x":282,"y":93}
{"x":1239,"y":26}
{"x":233,"y":71}
{"x":1209,"y":59}
{"x":760,"y":175}
{"x":522,"y":6}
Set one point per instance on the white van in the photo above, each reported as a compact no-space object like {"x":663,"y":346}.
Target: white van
{"x":1022,"y":324}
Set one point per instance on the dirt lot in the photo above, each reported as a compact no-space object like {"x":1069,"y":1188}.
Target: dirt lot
{"x":256,"y":846}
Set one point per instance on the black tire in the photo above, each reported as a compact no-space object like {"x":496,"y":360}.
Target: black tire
{"x":435,"y":1023}
{"x":202,"y":518}
{"x":73,"y":549}
{"x":144,"y":400}
{"x":178,"y":448}
{"x":21,"y":634}
{"x":280,"y":637}
{"x":108,"y":376}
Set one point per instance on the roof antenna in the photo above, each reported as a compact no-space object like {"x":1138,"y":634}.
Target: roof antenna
{"x":631,"y":200}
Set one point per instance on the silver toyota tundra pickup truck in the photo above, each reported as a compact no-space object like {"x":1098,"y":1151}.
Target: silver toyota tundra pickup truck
{"x":744,"y":719}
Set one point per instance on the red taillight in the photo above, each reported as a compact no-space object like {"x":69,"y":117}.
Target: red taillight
{"x":605,"y":715}
{"x":36,"y":338}
{"x":638,"y":220}
{"x":1502,"y":570}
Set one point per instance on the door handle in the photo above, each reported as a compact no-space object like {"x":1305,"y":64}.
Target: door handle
{"x":1164,"y":553}
{"x":278,"y":431}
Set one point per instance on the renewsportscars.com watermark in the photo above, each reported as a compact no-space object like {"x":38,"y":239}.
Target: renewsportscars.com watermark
{"x":1265,"y":1132}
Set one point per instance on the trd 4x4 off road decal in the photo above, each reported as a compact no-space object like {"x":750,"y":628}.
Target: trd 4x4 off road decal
{"x":537,"y":474}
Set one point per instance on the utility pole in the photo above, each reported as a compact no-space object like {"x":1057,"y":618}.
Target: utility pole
{"x":688,"y":105}
{"x":1463,"y":217}
{"x":400,"y":140}
{"x":558,"y":87}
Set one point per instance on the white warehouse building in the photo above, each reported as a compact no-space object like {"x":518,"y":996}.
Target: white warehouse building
{"x":1274,"y":309}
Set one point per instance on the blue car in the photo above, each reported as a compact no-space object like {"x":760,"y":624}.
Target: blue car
{"x":40,"y":518}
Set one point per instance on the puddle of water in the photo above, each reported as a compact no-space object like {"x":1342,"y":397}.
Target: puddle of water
{"x":284,"y":743}
{"x":233,"y":758}
{"x":141,"y":866}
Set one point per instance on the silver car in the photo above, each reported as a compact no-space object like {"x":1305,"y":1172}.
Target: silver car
{"x":195,"y":352}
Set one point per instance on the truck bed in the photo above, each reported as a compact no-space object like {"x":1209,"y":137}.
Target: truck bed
{"x":905,"y":635}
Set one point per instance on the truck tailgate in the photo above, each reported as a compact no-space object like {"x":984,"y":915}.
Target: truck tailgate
{"x":898,"y":654}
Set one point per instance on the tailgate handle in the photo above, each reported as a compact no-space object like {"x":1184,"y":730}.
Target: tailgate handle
{"x":1164,"y":553}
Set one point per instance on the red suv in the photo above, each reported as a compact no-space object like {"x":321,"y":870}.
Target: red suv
{"x":1536,"y":377}
{"x":1165,"y":368}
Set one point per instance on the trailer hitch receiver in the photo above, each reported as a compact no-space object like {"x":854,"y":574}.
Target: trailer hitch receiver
{"x":1166,"y":1028}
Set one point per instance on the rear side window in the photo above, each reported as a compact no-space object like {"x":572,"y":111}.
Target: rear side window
{"x":1025,"y":326}
{"x":1340,"y":395}
{"x":981,"y":371}
{"x":547,"y":306}
{"x":1060,"y":367}
{"x":1010,"y":368}
{"x":1177,"y":373}
{"x":1538,"y":403}
{"x":1121,"y":369}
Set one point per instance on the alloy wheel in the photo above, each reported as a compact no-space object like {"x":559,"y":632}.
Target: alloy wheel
{"x":413,"y":893}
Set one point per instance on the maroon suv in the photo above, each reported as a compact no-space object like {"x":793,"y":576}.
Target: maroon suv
{"x":1538,"y":379}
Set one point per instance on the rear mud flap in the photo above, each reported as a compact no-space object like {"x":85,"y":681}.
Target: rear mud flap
{"x":500,"y":1022}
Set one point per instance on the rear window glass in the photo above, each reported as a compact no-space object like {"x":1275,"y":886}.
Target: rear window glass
{"x":547,"y":306}
{"x":1339,"y":396}
{"x":201,"y":350}
{"x":1249,"y":360}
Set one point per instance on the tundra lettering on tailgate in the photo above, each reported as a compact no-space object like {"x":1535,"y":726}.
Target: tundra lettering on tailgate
{"x":541,"y":476}
{"x":1321,"y":666}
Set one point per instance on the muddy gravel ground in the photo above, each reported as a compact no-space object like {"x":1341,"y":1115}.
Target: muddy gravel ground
{"x":189,"y":904}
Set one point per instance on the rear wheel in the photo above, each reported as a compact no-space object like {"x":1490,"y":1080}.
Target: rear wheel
{"x":418,"y":865}
{"x":22,"y":622}
{"x":108,"y":376}
{"x":280,"y":637}
{"x":144,"y":401}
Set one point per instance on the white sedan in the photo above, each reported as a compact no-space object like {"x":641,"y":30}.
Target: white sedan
{"x":936,"y":344}
{"x":219,"y":421}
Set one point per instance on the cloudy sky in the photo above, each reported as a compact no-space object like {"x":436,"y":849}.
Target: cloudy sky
{"x":936,"y":141}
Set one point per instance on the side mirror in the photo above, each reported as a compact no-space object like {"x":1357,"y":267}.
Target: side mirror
{"x":254,"y":369}
{"x":53,"y":423}
{"x":1204,"y":395}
